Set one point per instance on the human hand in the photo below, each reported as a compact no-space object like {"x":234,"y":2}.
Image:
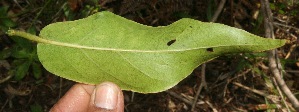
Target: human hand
{"x":105,"y":97}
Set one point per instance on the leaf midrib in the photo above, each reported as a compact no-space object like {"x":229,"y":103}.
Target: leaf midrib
{"x":45,"y":41}
{"x":135,"y":50}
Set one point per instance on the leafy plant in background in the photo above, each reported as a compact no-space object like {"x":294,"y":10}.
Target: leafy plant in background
{"x":107,"y":47}
{"x":19,"y":54}
{"x":283,"y":8}
{"x":5,"y":21}
{"x":23,"y":51}
{"x":25,"y":56}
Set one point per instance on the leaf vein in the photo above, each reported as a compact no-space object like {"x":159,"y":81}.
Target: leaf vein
{"x":146,"y":74}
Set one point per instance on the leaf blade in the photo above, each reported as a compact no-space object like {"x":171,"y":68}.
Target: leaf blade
{"x":106,"y":47}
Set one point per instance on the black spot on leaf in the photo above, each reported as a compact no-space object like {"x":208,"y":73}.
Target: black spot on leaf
{"x":210,"y":49}
{"x":171,"y":42}
{"x":190,"y":26}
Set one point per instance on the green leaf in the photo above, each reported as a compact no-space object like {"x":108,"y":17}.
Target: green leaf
{"x":31,"y":30}
{"x":37,"y":70}
{"x":21,"y":70}
{"x":23,"y":43}
{"x":5,"y":21}
{"x":8,"y":22}
{"x":19,"y":52}
{"x":107,"y":47}
{"x":3,"y":11}
{"x":36,"y":108}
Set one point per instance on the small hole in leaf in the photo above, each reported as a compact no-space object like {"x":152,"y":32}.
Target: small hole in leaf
{"x":210,"y":49}
{"x":171,"y":42}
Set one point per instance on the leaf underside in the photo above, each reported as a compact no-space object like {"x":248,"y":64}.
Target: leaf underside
{"x":107,"y":47}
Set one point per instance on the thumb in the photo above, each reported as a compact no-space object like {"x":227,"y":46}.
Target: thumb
{"x":107,"y":97}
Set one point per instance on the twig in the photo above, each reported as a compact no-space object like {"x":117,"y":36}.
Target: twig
{"x":218,"y":11}
{"x":203,"y":67}
{"x":60,"y":87}
{"x":6,"y":78}
{"x":17,"y":3}
{"x":132,"y":97}
{"x":271,"y":97}
{"x":292,"y":71}
{"x":2,"y":108}
{"x":39,"y":12}
{"x":263,"y":66}
{"x":179,"y":97}
{"x":290,"y":51}
{"x":19,"y":92}
{"x":203,"y":76}
{"x":211,"y":106}
{"x":280,"y":93}
{"x":272,"y":56}
{"x":203,"y":84}
{"x":284,"y":25}
{"x":60,"y":10}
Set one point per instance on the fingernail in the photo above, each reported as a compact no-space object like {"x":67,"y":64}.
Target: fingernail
{"x":106,"y":96}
